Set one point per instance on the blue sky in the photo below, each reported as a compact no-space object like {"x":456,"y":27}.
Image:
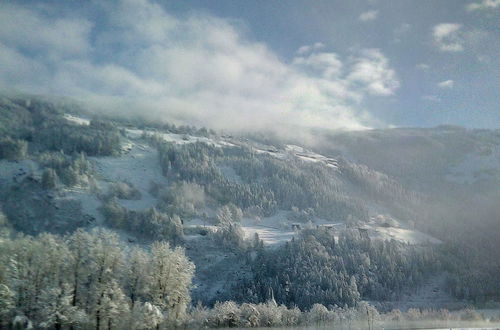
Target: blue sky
{"x":263,"y":64}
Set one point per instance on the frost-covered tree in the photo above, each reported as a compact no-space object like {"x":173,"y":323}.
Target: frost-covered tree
{"x":49,"y":178}
{"x":105,"y":264}
{"x":7,"y":304}
{"x":170,"y":280}
{"x":57,"y":310}
{"x":13,"y":149}
{"x":137,"y":274}
{"x":145,"y":316}
{"x":115,"y":307}
{"x":78,"y":275}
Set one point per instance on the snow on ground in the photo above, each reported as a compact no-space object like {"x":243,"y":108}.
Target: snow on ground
{"x":292,"y":150}
{"x":138,"y":167}
{"x":296,"y":151}
{"x":76,"y":120}
{"x":269,"y":235}
{"x":277,"y":229}
{"x":177,"y":138}
{"x":270,"y":151}
{"x":276,"y":235}
{"x":16,"y":171}
{"x":272,"y":230}
{"x":133,"y":133}
{"x":412,"y":237}
{"x":311,"y":156}
{"x":89,"y":202}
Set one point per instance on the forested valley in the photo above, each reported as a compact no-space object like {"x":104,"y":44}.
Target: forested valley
{"x":117,"y":223}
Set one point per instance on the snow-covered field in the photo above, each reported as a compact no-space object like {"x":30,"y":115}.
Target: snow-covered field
{"x":138,"y":167}
{"x":269,"y":235}
{"x":89,"y":203}
{"x":277,"y":229}
{"x":275,"y":235}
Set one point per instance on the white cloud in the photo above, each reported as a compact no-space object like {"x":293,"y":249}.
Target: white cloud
{"x":26,"y":29}
{"x":308,"y":48}
{"x":367,"y":16}
{"x":485,"y":4}
{"x":423,"y":66}
{"x":448,"y":37}
{"x":328,"y":64}
{"x":200,"y":69}
{"x":373,"y":72}
{"x":447,"y":84}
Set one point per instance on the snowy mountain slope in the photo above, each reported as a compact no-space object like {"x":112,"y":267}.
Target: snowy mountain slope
{"x":138,"y":166}
{"x":181,"y":176}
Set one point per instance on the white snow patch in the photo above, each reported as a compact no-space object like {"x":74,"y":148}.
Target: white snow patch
{"x":76,"y":120}
{"x":293,"y":148}
{"x":89,"y":202}
{"x":272,"y":230}
{"x":178,"y":138}
{"x":271,"y":152}
{"x":310,"y":156}
{"x":133,"y":133}
{"x":278,"y":229}
{"x":413,"y":237}
{"x":269,"y":235}
{"x":139,"y":167}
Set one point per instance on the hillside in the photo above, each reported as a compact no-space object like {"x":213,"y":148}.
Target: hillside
{"x":360,"y":216}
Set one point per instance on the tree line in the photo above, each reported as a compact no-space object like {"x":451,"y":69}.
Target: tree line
{"x":91,"y":280}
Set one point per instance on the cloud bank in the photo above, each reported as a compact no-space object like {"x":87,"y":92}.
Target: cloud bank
{"x":200,"y":69}
{"x":447,"y":37}
{"x":485,"y":4}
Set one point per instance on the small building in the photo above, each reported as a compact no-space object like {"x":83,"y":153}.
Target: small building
{"x":296,"y":226}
